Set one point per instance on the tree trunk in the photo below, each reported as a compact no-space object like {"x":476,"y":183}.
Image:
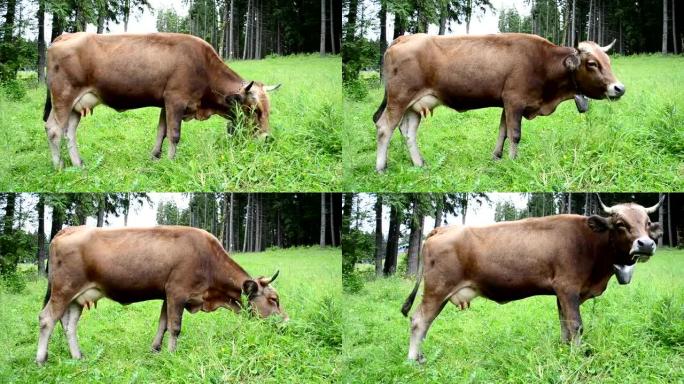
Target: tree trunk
{"x":572,"y":27}
{"x":378,"y":235}
{"x":468,"y":15}
{"x":669,"y":214}
{"x":439,"y":210}
{"x":332,"y":221}
{"x":127,"y":207}
{"x":322,"y":237}
{"x":346,"y":213}
{"x":8,"y":28}
{"x":247,"y":28}
{"x":415,"y":237}
{"x":41,"y":41}
{"x":100,"y":210}
{"x":664,"y":48}
{"x":443,"y":9}
{"x":591,"y":19}
{"x":569,"y":202}
{"x":332,"y":28}
{"x":41,"y":254}
{"x":230,"y":46}
{"x":322,"y":41}
{"x":661,"y":212}
{"x":8,"y":259}
{"x":244,"y":243}
{"x":230,"y":219}
{"x":674,"y":45}
{"x":127,"y":13}
{"x":392,"y":249}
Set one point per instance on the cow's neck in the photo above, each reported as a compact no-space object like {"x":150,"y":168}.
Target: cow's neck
{"x":229,"y":278}
{"x":564,"y":82}
{"x":605,"y":256}
{"x":224,"y":80}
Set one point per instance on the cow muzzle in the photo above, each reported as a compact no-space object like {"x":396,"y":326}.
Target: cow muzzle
{"x":623,"y":273}
{"x":615,"y":90}
{"x":643,"y":248}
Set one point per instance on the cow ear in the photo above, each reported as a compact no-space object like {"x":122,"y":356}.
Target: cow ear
{"x":598,"y":223}
{"x":572,"y":62}
{"x":250,"y":288}
{"x":655,"y":231}
{"x":235,"y":99}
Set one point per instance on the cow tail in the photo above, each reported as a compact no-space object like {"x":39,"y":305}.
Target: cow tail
{"x":412,"y":297}
{"x":48,"y":105}
{"x":49,"y":285}
{"x":381,"y":108}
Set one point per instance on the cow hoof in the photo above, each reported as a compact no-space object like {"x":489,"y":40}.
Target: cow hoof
{"x":266,"y":137}
{"x":156,"y":348}
{"x":496,"y":156}
{"x":155,"y":155}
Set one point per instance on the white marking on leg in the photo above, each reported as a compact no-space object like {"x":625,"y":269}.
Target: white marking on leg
{"x":47,"y":324}
{"x":417,"y":334}
{"x":384,"y":134}
{"x":74,"y":119}
{"x":412,"y":121}
{"x":74,"y":315}
{"x":54,"y":134}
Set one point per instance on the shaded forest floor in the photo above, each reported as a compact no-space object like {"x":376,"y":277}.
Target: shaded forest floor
{"x":633,"y":334}
{"x":306,"y":119}
{"x":213,"y":347}
{"x":634,"y":144}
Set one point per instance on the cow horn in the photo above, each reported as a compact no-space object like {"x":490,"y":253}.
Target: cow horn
{"x":609,"y":46}
{"x":269,"y":281}
{"x":655,"y":207}
{"x":608,"y":210}
{"x":249,"y":86}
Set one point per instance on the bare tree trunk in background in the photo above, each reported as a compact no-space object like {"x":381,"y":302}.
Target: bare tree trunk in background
{"x":378,"y":235}
{"x":572,"y":27}
{"x":41,"y":254}
{"x":247,"y":28}
{"x":669,"y":217}
{"x":322,"y":45}
{"x":392,"y":248}
{"x":332,"y":28}
{"x":230,"y":221}
{"x":468,"y":15}
{"x":443,"y":9}
{"x":127,"y":13}
{"x":41,"y":41}
{"x":439,"y":210}
{"x":100,"y":210}
{"x":322,"y":238}
{"x":332,"y":221}
{"x":664,"y":50}
{"x":591,"y":19}
{"x":244,"y":244}
{"x":414,"y":237}
{"x":674,"y":43}
{"x":230,"y":47}
{"x":569,"y":202}
{"x":661,"y":212}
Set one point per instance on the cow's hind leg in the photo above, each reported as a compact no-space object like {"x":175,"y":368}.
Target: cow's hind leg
{"x":513,"y":129}
{"x":156,"y":344}
{"x":174,"y":317}
{"x":161,"y":134}
{"x":74,"y":312}
{"x":498,"y":149}
{"x":388,"y":121}
{"x":74,"y":119}
{"x":421,"y":320}
{"x":54,"y":134}
{"x":174,"y":116}
{"x":570,"y":316}
{"x":409,"y":129}
{"x":47,"y":319}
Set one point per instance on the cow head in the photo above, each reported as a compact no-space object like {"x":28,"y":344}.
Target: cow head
{"x":263,"y":299}
{"x":253,"y":98}
{"x":590,"y":68}
{"x":632,"y":234}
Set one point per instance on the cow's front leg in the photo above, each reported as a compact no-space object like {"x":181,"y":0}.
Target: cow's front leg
{"x":570,"y":316}
{"x":565,"y":336}
{"x":498,"y":149}
{"x":54,"y":134}
{"x":174,"y":116}
{"x":513,"y":128}
{"x":156,"y":344}
{"x":161,"y":134}
{"x":74,"y":311}
{"x":174,"y":317}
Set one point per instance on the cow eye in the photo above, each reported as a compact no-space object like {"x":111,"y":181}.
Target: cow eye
{"x":592,"y":64}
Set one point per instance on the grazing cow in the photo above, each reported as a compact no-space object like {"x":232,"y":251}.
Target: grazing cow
{"x":569,"y":256}
{"x":181,"y":74}
{"x":185,"y":267}
{"x":525,"y":74}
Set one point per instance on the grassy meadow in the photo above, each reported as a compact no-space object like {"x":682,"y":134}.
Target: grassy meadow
{"x":634,"y":144}
{"x":217,"y":347}
{"x":633,"y":334}
{"x":305,"y":154}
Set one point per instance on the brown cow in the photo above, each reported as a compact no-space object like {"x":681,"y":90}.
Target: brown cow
{"x":181,"y":74}
{"x":185,"y":267}
{"x":525,"y":74}
{"x":569,"y":256}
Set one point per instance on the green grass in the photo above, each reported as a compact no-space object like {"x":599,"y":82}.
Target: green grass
{"x":213,"y":347}
{"x":305,"y":121}
{"x":633,"y":334}
{"x":634,"y":144}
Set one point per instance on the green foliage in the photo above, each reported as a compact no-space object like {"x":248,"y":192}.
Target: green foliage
{"x":359,"y":54}
{"x":14,"y":282}
{"x":357,"y":246}
{"x":219,"y":347}
{"x":609,"y":148}
{"x":14,"y":90}
{"x":520,"y":342}
{"x":305,"y":120}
